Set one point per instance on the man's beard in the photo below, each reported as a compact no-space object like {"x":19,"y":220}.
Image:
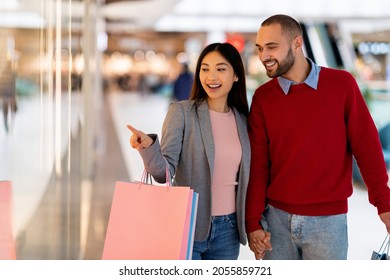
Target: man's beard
{"x":283,"y":67}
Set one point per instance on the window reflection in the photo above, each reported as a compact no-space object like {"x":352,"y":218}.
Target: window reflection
{"x":40,"y":132}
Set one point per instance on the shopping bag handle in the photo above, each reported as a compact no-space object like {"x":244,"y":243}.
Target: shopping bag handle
{"x":385,"y":245}
{"x":145,"y":176}
{"x":168,"y":179}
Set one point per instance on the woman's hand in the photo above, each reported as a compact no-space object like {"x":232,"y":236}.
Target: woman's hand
{"x":259,"y":243}
{"x":138,"y":139}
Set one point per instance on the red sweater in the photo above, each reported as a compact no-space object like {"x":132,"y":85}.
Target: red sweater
{"x":302,"y":145}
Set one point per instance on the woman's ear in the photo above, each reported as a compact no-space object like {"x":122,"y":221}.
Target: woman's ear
{"x":235,"y":78}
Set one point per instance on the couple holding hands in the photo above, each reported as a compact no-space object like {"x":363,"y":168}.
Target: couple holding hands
{"x":278,"y":175}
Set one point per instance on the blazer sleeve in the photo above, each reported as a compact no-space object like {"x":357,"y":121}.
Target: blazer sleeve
{"x":157,"y":156}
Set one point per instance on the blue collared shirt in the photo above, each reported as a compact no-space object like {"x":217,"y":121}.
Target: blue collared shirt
{"x":311,"y":80}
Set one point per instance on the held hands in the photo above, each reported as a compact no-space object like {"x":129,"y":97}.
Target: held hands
{"x":259,"y":243}
{"x":138,"y":139}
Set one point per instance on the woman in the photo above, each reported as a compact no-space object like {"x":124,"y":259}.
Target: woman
{"x":205,"y":143}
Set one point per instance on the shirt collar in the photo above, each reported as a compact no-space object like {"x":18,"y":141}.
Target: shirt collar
{"x":311,"y":80}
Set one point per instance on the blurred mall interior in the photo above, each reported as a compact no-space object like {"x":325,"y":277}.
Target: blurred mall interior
{"x":73,"y":73}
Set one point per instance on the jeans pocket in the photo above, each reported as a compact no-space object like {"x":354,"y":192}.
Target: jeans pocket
{"x":232,"y":220}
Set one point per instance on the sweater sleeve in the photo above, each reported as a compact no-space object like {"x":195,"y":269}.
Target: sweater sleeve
{"x":366,"y":147}
{"x":259,"y":170}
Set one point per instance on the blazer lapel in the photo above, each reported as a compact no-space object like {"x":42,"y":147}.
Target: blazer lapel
{"x":207,"y":133}
{"x":242,"y":129}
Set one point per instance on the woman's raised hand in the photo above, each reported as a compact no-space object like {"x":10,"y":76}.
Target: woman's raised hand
{"x":138,"y":139}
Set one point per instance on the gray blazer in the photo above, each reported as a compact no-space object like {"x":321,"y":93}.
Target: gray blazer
{"x":187,"y":145}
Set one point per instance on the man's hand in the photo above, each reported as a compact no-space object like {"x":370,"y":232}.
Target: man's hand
{"x":385,"y":217}
{"x":259,"y":243}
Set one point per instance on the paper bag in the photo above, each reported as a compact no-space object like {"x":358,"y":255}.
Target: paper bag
{"x":150,"y":222}
{"x":7,"y":241}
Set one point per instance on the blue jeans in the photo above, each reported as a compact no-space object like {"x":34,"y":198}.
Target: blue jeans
{"x":296,"y":237}
{"x":222,"y":243}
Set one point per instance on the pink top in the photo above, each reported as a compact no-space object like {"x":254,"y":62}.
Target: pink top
{"x":226,"y":162}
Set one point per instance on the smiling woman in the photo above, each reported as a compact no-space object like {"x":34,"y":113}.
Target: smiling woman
{"x":217,"y":77}
{"x":196,"y":136}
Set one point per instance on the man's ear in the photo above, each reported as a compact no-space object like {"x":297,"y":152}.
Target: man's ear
{"x":298,"y":42}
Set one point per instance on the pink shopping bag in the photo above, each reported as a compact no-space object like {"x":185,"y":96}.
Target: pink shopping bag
{"x":7,"y":241}
{"x":150,"y":222}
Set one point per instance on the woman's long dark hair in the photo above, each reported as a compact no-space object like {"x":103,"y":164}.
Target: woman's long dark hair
{"x":237,"y":96}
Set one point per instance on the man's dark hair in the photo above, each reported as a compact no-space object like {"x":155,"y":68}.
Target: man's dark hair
{"x":289,"y":26}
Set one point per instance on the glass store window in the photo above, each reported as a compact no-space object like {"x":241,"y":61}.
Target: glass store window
{"x":46,"y":130}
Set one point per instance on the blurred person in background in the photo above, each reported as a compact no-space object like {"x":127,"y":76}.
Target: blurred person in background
{"x":205,"y":145}
{"x":183,"y":83}
{"x":305,"y":125}
{"x":8,"y":98}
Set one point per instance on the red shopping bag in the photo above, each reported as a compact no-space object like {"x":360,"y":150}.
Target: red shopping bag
{"x":7,"y":241}
{"x":150,"y":222}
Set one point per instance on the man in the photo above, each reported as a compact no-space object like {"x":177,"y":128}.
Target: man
{"x":304,"y":126}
